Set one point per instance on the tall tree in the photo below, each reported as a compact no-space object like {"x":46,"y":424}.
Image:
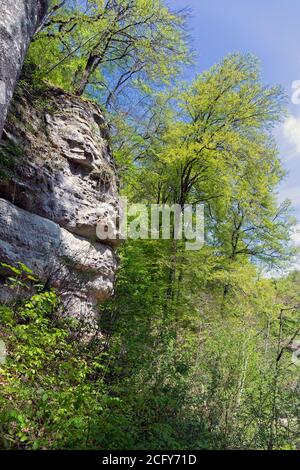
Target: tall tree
{"x":219,"y":151}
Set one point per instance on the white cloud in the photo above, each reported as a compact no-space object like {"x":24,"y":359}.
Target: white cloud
{"x":288,"y":139}
{"x":287,"y":136}
{"x":291,"y":132}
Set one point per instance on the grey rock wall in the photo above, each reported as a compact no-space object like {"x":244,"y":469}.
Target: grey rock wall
{"x":19,"y":20}
{"x":60,"y":181}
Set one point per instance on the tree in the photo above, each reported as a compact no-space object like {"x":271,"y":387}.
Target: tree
{"x":105,"y":46}
{"x":219,"y":151}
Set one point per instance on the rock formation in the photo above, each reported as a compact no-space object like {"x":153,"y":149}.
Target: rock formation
{"x":19,"y":20}
{"x":58,"y":178}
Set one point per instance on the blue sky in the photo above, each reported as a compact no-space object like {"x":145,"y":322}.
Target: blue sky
{"x":269,"y":29}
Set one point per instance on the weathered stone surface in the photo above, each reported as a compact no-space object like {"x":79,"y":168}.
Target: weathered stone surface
{"x":83,"y":272}
{"x":61,"y":184}
{"x":68,"y":172}
{"x":19,"y":20}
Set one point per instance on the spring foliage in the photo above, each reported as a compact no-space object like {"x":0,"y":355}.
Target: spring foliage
{"x":196,"y":348}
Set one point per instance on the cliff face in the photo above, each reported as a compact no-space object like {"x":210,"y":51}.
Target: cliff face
{"x":59,"y":182}
{"x":19,"y":20}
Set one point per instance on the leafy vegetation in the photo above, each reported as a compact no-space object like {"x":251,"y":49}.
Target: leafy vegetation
{"x":195,"y":350}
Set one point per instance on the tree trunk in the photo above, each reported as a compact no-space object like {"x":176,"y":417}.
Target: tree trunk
{"x":92,"y":63}
{"x":19,"y":20}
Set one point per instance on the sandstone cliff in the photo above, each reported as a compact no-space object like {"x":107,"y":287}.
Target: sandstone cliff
{"x":58,"y":179}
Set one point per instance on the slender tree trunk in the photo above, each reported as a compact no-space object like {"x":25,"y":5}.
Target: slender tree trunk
{"x":19,"y":20}
{"x":92,"y":63}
